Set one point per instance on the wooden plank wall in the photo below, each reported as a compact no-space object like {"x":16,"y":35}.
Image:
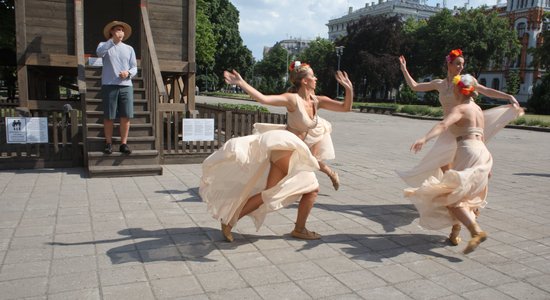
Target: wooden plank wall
{"x":50,"y":26}
{"x":169,"y":24}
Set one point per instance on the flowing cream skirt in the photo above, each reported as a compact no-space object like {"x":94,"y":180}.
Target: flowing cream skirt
{"x":463,"y":186}
{"x":237,"y":171}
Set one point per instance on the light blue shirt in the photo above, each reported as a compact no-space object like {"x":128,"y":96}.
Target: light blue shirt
{"x":116,"y":58}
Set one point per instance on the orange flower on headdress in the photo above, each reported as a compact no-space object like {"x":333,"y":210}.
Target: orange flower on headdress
{"x":464,"y":89}
{"x":453,"y":54}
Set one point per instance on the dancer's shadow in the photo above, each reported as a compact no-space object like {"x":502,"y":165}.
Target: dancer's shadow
{"x":172,"y":244}
{"x":533,"y":174}
{"x":189,"y":195}
{"x":389,"y":216}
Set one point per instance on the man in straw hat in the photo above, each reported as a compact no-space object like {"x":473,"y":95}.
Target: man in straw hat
{"x":119,"y":66}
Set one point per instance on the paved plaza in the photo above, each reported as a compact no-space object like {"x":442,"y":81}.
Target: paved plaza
{"x":65,"y":236}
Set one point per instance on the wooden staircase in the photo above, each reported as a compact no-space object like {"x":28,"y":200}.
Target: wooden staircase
{"x":144,"y":159}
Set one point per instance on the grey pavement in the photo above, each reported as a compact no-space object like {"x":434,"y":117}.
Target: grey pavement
{"x":65,"y":236}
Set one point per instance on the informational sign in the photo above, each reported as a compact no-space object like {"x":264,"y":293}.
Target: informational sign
{"x":198,"y":130}
{"x":21,"y":130}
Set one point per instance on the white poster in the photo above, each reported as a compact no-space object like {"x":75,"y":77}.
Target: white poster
{"x":198,"y":130}
{"x":21,"y":130}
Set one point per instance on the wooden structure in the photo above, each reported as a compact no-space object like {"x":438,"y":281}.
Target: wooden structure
{"x":55,"y":38}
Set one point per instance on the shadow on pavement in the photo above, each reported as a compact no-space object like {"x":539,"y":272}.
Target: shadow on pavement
{"x":533,"y":174}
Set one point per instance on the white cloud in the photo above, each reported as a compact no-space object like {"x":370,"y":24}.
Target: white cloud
{"x":265,"y":22}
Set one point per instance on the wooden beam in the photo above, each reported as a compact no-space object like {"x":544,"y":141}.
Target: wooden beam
{"x":162,"y":107}
{"x":51,"y":105}
{"x":51,"y":60}
{"x":175,"y":66}
{"x":21,"y":42}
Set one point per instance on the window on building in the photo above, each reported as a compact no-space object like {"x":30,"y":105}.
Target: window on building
{"x":483,"y":81}
{"x":520,"y":28}
{"x":496,"y":84}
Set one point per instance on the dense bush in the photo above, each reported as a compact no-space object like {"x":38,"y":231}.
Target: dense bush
{"x":421,"y":110}
{"x":406,"y":95}
{"x":539,"y":103}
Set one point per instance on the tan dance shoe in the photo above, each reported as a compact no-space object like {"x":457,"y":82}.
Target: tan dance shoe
{"x":305,"y":234}
{"x":454,"y":237}
{"x":335,"y":179}
{"x":478,"y":236}
{"x":226,"y":231}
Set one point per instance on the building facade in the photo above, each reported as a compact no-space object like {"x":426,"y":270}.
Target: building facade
{"x":404,"y":8}
{"x":527,"y":18}
{"x":293,"y":45}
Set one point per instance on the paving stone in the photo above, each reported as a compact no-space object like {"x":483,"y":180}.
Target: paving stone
{"x":72,"y":282}
{"x":423,"y":289}
{"x":139,"y":290}
{"x":285,"y":290}
{"x":264,"y":275}
{"x":23,"y":288}
{"x":219,"y":281}
{"x":176,"y":287}
{"x":24,"y":270}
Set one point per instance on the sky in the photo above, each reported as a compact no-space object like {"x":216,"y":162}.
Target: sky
{"x":265,"y":22}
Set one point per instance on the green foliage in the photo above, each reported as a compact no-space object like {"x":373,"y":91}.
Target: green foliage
{"x":431,"y":98}
{"x":7,"y":24}
{"x":272,"y":70}
{"x":246,"y":107}
{"x":205,"y":39}
{"x":483,"y":36}
{"x":539,"y":102}
{"x":512,"y":82}
{"x":421,"y":110}
{"x":371,"y":49}
{"x":407,"y":95}
{"x":530,"y":120}
{"x":230,"y":52}
{"x":542,"y":53}
{"x":321,"y":56}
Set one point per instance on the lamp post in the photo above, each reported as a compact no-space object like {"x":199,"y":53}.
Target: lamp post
{"x":339,"y":52}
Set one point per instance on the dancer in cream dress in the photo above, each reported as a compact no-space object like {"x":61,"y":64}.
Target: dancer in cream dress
{"x":440,"y":156}
{"x":454,"y":195}
{"x":272,"y":168}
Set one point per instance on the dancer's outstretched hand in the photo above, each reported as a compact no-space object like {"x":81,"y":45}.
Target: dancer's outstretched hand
{"x":417,"y":146}
{"x":403,"y":62}
{"x":343,"y":79}
{"x":232,"y":77}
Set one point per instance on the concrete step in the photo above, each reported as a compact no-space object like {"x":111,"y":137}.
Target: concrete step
{"x":122,"y":171}
{"x":95,"y":81}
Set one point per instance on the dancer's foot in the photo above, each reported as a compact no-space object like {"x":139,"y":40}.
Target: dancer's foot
{"x":335,"y":179}
{"x":305,"y":234}
{"x":226,"y":231}
{"x":454,"y":237}
{"x":478,"y":236}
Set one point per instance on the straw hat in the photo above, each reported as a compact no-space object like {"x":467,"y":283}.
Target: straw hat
{"x":126,"y":28}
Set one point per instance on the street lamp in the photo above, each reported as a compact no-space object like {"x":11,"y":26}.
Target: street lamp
{"x":339,"y":53}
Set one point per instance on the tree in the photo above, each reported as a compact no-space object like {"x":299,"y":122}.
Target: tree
{"x":205,"y":46}
{"x":542,"y":53}
{"x":7,"y":33}
{"x":484,"y":37}
{"x":512,"y":82}
{"x":539,"y":102}
{"x":320,"y":54}
{"x":372,"y":47}
{"x":271,"y":70}
{"x":230,"y":50}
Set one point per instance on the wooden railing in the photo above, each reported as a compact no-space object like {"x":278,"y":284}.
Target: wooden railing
{"x":62,"y":150}
{"x":227,"y":124}
{"x":154,"y":86}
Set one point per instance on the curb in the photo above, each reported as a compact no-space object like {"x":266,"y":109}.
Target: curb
{"x":532,"y":128}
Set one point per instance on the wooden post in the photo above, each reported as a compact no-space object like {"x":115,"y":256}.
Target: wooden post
{"x":21,"y":41}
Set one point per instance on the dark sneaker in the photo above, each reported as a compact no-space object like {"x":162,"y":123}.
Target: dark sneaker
{"x":108,"y":149}
{"x":125,"y":149}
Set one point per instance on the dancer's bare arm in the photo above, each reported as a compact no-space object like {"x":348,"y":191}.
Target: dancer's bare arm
{"x":455,"y":115}
{"x":285,"y":99}
{"x":433,"y":85}
{"x":492,"y":93}
{"x":334,"y":105}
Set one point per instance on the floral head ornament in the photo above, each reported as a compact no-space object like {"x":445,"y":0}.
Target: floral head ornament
{"x":453,"y":55}
{"x":466,"y":83}
{"x":297,"y":65}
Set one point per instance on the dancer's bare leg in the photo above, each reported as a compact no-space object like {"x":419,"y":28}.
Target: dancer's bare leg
{"x":277,"y":171}
{"x":334,"y":178}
